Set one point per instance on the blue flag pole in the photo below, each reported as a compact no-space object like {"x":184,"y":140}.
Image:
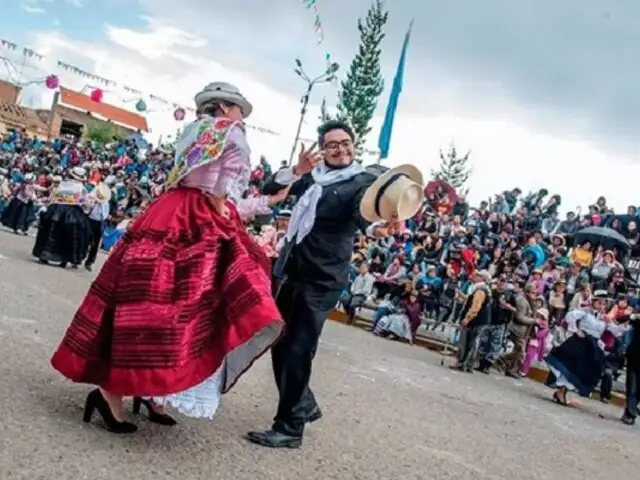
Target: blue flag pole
{"x":384,"y":140}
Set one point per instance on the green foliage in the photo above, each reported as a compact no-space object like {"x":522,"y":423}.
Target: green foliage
{"x":359,"y":91}
{"x":454,"y":170}
{"x":101,"y":132}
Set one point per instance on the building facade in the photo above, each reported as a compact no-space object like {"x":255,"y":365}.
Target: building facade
{"x":71,"y":113}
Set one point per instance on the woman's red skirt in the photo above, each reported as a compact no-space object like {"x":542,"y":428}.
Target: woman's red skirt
{"x":183,"y":289}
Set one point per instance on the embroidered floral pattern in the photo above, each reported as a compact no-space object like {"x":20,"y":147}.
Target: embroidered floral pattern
{"x":68,"y":194}
{"x":211,"y":139}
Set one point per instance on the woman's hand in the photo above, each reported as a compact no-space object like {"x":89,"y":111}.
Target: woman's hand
{"x":219,"y":204}
{"x":281,"y":196}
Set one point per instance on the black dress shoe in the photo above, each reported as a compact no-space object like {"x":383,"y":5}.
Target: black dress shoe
{"x":314,"y":415}
{"x":273,"y":439}
{"x":484,"y":367}
{"x":628,"y":419}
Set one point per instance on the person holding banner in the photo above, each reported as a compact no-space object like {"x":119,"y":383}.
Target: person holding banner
{"x":336,"y":197}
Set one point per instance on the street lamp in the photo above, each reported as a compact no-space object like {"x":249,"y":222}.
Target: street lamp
{"x":327,"y":76}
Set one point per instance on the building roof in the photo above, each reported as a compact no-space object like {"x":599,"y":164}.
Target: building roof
{"x":84,"y":118}
{"x":21,"y":116}
{"x":115,"y":114}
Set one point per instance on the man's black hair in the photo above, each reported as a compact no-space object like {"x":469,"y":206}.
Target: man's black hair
{"x":327,"y":127}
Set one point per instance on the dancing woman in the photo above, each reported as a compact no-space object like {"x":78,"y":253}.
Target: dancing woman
{"x":20,"y":213}
{"x":64,"y":232}
{"x":182,"y":307}
{"x":579,"y":363}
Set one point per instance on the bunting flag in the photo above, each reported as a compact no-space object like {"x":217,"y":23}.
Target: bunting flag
{"x":99,"y":82}
{"x":8,"y":45}
{"x":317,"y":23}
{"x":90,"y":76}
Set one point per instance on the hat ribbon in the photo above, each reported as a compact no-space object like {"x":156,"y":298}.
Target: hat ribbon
{"x":384,"y":188}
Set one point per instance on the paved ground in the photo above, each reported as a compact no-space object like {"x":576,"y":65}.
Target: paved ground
{"x":391,"y":411}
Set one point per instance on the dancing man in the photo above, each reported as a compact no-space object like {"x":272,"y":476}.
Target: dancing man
{"x":313,"y":267}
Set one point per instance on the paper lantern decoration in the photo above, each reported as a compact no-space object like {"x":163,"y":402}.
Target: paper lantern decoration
{"x":141,"y":106}
{"x":96,"y":95}
{"x":179,"y":114}
{"x":52,"y":82}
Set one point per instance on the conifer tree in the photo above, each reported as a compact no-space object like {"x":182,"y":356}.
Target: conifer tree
{"x":454,"y":170}
{"x":359,"y":91}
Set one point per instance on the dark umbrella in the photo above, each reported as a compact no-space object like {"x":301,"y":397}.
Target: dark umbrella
{"x":138,"y":141}
{"x":607,"y":237}
{"x":433,"y":185}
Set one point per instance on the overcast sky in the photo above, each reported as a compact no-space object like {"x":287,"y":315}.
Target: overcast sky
{"x":540,"y":91}
{"x":569,"y":64}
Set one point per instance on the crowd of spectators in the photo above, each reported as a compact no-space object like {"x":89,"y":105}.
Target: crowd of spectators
{"x":534,"y":267}
{"x":134,"y":173}
{"x":532,"y":264}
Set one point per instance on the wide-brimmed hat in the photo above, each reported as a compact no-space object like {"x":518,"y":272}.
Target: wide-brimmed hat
{"x":78,"y":173}
{"x":483,"y":274}
{"x":224,"y":92}
{"x":543,"y":312}
{"x":284,"y":214}
{"x":102,"y":193}
{"x":396,"y":195}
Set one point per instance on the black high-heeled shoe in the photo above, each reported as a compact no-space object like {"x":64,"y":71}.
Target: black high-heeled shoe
{"x":155,"y":417}
{"x":95,"y":401}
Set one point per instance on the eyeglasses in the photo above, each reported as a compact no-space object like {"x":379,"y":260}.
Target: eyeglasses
{"x":334,"y":145}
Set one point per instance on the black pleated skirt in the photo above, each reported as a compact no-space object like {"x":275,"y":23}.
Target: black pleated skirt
{"x":18,"y":215}
{"x":64,"y":235}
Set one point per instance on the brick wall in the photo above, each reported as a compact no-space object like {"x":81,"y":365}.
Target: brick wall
{"x":9,"y":92}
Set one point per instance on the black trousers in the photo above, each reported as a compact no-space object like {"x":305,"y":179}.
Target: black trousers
{"x":468,"y":345}
{"x":351,"y":304}
{"x":631,"y":390}
{"x":96,"y":238}
{"x":304,"y":308}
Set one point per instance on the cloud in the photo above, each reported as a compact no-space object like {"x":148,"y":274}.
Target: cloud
{"x":75,"y":3}
{"x":35,"y":6}
{"x":33,"y":9}
{"x":172,"y":60}
{"x":565,"y":66}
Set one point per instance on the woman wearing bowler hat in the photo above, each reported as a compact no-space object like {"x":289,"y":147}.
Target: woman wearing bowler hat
{"x":183,"y":306}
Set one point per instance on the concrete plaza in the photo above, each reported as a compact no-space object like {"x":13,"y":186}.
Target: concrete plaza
{"x":391,"y":412}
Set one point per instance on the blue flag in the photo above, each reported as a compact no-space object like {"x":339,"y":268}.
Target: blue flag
{"x":384,"y":141}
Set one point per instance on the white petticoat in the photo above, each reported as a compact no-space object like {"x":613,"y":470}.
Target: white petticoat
{"x":200,"y":401}
{"x":561,"y":380}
